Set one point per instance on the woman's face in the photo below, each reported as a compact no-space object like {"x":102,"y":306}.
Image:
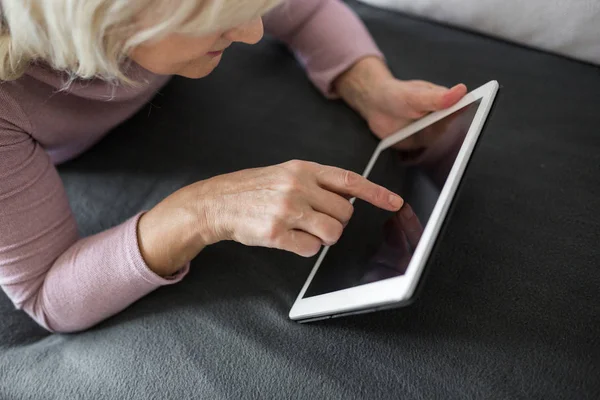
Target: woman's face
{"x":193,"y":57}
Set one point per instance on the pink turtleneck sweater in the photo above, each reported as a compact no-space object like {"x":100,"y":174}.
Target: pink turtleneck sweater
{"x":67,"y":283}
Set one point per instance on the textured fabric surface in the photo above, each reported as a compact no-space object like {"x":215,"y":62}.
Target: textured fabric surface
{"x":69,"y":284}
{"x":567,"y":27}
{"x":511,"y":304}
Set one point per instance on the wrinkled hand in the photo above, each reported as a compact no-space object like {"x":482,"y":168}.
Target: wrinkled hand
{"x":295,"y":206}
{"x":389,"y":104}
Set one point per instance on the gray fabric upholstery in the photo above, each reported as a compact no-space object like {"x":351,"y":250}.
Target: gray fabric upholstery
{"x":568,"y":28}
{"x":511,"y":304}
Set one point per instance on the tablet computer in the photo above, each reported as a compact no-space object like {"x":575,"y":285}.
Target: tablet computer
{"x":380,"y":258}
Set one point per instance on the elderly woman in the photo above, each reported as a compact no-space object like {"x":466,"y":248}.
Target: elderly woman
{"x":73,"y":70}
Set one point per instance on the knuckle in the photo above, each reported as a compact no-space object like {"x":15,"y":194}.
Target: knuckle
{"x":284,"y":208}
{"x":350,"y":178}
{"x":348,"y":212}
{"x":332,"y":232}
{"x":336,"y":231}
{"x":310,"y":249}
{"x":296,"y":165}
{"x":379,"y":194}
{"x":273,"y":231}
{"x":290,"y":183}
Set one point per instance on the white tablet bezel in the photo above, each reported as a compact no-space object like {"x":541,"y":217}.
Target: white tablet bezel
{"x":401,"y":288}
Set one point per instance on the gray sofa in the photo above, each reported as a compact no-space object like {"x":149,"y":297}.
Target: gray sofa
{"x":511,"y":305}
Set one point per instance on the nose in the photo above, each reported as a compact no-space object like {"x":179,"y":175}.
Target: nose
{"x":251,"y":32}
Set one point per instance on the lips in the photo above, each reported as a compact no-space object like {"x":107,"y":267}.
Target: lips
{"x":214,"y":53}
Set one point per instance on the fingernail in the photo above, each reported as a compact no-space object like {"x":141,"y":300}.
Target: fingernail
{"x":457,"y":85}
{"x":396,"y":201}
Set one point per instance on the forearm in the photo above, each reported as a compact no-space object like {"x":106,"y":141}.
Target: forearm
{"x":99,"y":276}
{"x":95,"y":278}
{"x":63,"y":282}
{"x":356,"y":85}
{"x":173,"y":232}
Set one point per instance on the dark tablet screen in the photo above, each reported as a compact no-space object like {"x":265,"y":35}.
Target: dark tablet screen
{"x":379,"y":244}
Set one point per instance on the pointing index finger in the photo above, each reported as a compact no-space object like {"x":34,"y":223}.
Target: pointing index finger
{"x":345,"y":182}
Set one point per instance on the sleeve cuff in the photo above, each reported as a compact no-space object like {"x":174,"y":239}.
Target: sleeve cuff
{"x":324,"y":81}
{"x":331,"y":42}
{"x":137,"y":261}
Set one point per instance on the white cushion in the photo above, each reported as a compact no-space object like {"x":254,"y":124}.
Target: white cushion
{"x":567,"y":27}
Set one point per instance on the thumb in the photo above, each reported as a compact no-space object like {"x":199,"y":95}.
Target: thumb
{"x":433,"y":97}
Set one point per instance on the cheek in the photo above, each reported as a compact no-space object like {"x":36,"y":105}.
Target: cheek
{"x":174,"y":53}
{"x":187,"y":49}
{"x":157,"y":60}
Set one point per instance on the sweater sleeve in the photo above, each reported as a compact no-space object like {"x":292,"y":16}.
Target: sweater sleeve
{"x":326,"y":36}
{"x":63,"y":282}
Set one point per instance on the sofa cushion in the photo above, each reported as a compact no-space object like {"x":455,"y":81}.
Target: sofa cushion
{"x":570,"y":28}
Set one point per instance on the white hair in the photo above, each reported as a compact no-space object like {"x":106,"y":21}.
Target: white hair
{"x":91,"y":38}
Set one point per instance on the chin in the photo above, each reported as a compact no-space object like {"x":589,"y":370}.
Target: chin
{"x":195,"y":75}
{"x":201,"y":69}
